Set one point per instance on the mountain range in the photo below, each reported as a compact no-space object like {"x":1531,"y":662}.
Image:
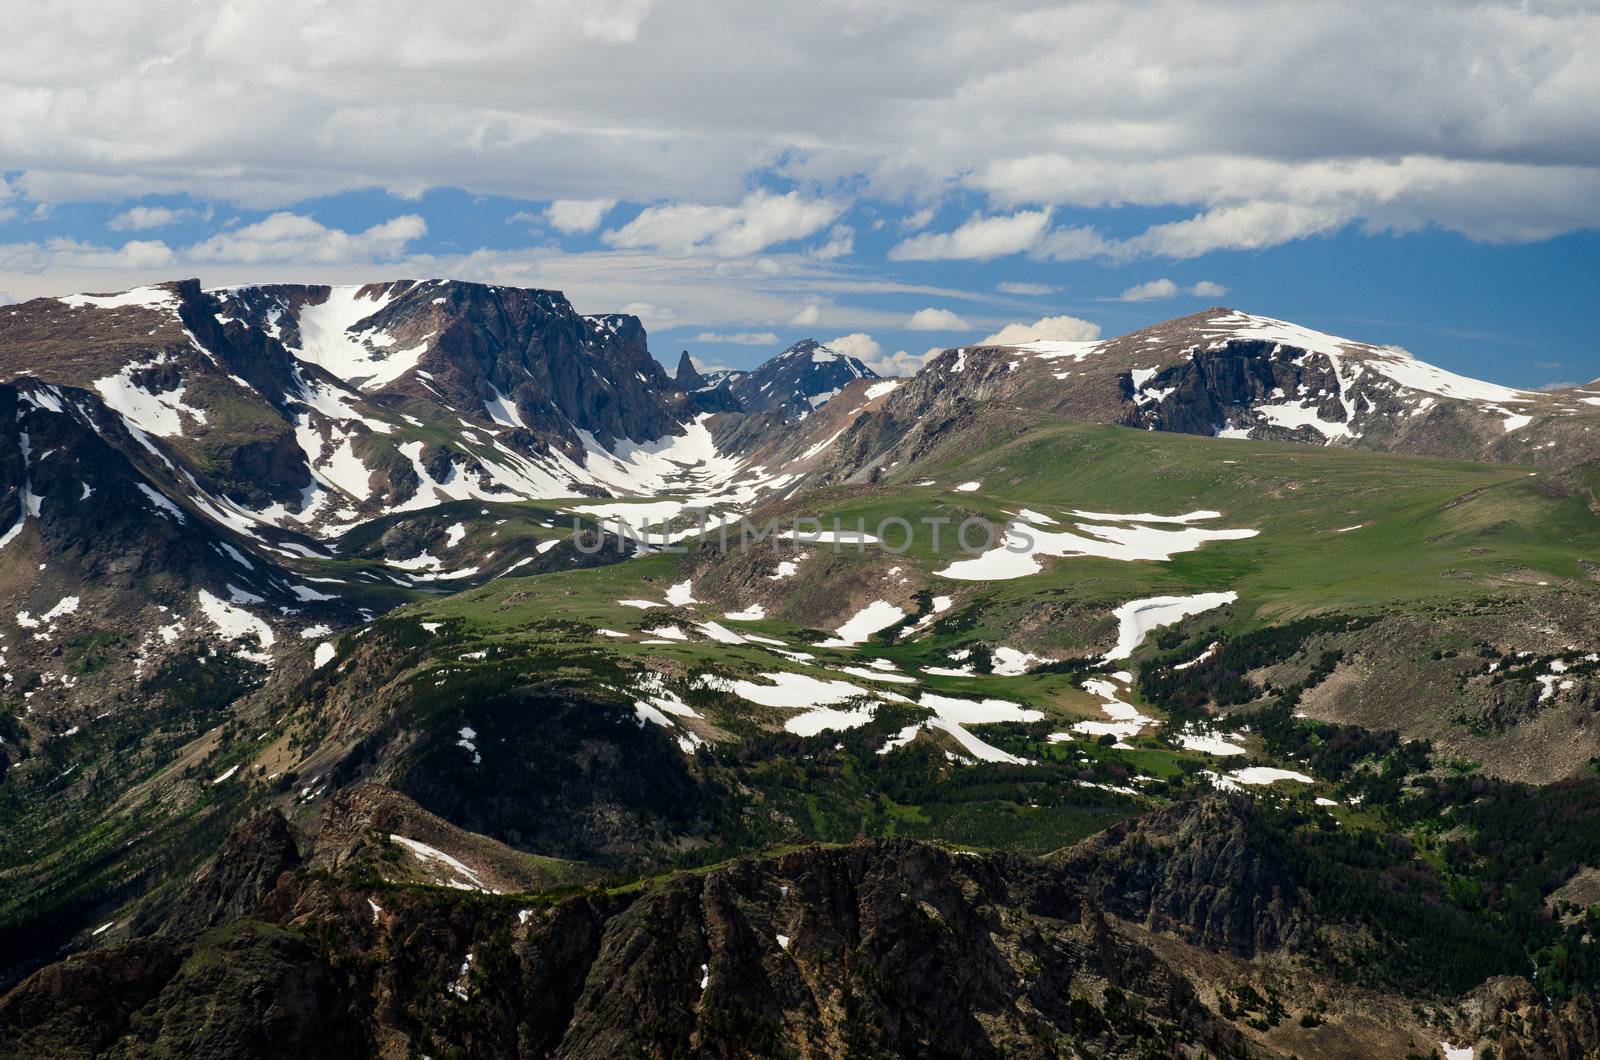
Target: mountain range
{"x":348,"y":709}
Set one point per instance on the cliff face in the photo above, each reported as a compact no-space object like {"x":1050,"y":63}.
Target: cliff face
{"x":884,"y":947}
{"x":1144,"y":940}
{"x":1203,"y":873}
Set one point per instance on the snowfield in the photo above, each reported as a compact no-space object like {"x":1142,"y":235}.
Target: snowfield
{"x":1121,"y":537}
{"x":864,"y":623}
{"x":1136,"y":618}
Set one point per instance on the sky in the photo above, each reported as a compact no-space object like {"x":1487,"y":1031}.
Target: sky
{"x":890,"y":177}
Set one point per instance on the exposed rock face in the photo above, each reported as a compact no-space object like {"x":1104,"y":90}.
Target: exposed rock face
{"x":882,"y":948}
{"x":245,"y":990}
{"x":1510,"y":1012}
{"x":1222,"y":371}
{"x":688,"y":376}
{"x":243,"y":874}
{"x":299,"y":400}
{"x":70,"y":494}
{"x":1199,"y":871}
{"x":466,"y":343}
{"x":796,"y":381}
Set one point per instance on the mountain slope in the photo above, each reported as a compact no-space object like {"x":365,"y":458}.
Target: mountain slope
{"x":795,"y":382}
{"x":1232,"y":374}
{"x":306,"y":594}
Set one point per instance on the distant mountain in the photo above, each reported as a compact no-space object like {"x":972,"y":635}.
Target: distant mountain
{"x":797,"y":381}
{"x":1232,"y":374}
{"x":269,"y":463}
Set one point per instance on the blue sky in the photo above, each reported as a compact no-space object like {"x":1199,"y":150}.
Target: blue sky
{"x":897,"y":176}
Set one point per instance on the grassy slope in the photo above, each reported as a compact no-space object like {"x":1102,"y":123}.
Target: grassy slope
{"x":1430,"y":532}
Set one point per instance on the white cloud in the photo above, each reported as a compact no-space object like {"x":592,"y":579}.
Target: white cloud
{"x":706,"y":366}
{"x":577,"y":215}
{"x":1165,"y":288}
{"x":841,"y":244}
{"x":1014,"y":287}
{"x":1071,"y":244}
{"x":71,"y":255}
{"x":139,"y":218}
{"x":740,"y":338}
{"x":903,"y":363}
{"x":980,"y":237}
{"x":715,"y":294}
{"x":857,"y":344}
{"x":759,"y":221}
{"x":932,"y":319}
{"x":808,"y":316}
{"x":1477,"y":118}
{"x":652,"y":315}
{"x":292,"y":237}
{"x":1248,"y":227}
{"x":5,"y":298}
{"x":868,"y":351}
{"x":1145,"y":292}
{"x":1061,"y":328}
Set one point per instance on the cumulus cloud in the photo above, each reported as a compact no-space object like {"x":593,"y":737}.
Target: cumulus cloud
{"x":1248,"y":227}
{"x":577,"y":215}
{"x":1165,"y":288}
{"x":841,"y":244}
{"x":903,"y":362}
{"x":139,"y":218}
{"x":932,"y":319}
{"x":75,"y":255}
{"x":804,"y":318}
{"x":981,"y":237}
{"x":869,"y":352}
{"x":759,"y":221}
{"x":1072,"y":244}
{"x":652,"y":315}
{"x":706,"y":366}
{"x":857,"y":344}
{"x":739,"y":338}
{"x":1145,"y":292}
{"x":1060,"y":328}
{"x":286,"y":236}
{"x":1478,"y":118}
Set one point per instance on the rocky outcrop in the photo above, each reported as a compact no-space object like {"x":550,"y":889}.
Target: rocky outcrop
{"x":255,"y":855}
{"x":1203,"y":871}
{"x":1510,"y":1012}
{"x":688,"y":376}
{"x":879,"y":948}
{"x":476,"y":344}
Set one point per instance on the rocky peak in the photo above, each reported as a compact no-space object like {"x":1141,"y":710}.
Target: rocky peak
{"x":243,"y":873}
{"x":689,"y":377}
{"x":798,"y":381}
